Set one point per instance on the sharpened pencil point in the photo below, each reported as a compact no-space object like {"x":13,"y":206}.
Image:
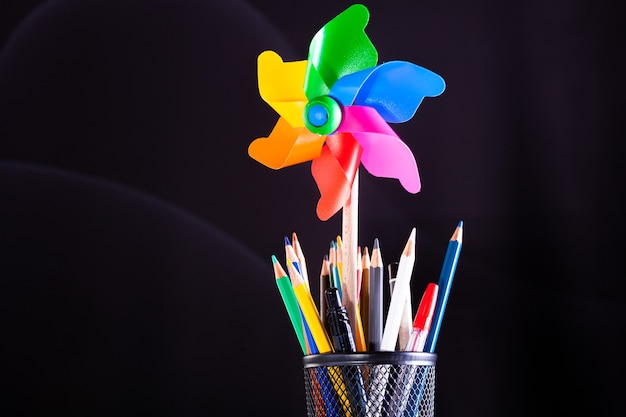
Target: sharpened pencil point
{"x":458,"y":233}
{"x":410,"y":244}
{"x":279,"y":271}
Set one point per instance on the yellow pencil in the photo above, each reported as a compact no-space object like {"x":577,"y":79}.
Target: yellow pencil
{"x":359,"y":334}
{"x":309,"y":310}
{"x":364,"y":294}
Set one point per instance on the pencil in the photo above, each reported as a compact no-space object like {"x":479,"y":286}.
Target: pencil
{"x":339,"y":252}
{"x":392,"y":273}
{"x":290,"y":254}
{"x":295,"y":242}
{"x":359,"y":272}
{"x":335,"y":280}
{"x":379,"y":374}
{"x":406,"y":323}
{"x":398,"y":298}
{"x":311,"y":314}
{"x":446,"y":277}
{"x":289,"y":299}
{"x":322,"y":341}
{"x":376,"y":298}
{"x":364,"y":295}
{"x":359,"y":334}
{"x":324,"y":284}
{"x":347,"y":265}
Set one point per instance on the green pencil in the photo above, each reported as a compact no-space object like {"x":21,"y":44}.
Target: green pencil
{"x":289,"y":299}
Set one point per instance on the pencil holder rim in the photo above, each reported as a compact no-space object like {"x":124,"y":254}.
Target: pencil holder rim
{"x":370,"y":358}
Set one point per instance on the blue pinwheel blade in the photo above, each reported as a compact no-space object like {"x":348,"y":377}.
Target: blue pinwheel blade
{"x":395,"y":89}
{"x":346,"y":89}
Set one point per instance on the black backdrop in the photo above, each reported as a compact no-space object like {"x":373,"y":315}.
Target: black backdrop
{"x":136,"y":233}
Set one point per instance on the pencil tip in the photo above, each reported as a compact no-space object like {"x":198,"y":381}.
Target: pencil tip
{"x":274,"y":259}
{"x":287,"y":241}
{"x":458,"y":233}
{"x":376,"y":243}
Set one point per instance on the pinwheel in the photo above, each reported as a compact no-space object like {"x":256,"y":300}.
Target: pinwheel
{"x":335,"y":109}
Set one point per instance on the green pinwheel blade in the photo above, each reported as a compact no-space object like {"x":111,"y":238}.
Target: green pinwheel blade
{"x":339,"y":48}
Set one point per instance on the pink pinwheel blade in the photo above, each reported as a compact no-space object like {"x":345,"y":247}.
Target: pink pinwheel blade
{"x":384,"y":153}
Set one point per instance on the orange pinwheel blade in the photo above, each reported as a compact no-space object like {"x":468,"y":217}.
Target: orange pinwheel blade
{"x":286,"y":146}
{"x":281,"y":85}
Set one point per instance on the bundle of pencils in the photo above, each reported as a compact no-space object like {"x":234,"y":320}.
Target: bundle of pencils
{"x":349,"y":315}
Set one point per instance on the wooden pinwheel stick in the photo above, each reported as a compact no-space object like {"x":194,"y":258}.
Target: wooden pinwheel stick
{"x":349,"y":236}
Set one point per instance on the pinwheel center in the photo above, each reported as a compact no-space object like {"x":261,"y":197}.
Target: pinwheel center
{"x":322,"y":115}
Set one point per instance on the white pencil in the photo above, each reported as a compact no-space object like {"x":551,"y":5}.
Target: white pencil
{"x":401,"y":290}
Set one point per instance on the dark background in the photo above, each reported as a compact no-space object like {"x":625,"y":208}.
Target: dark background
{"x":136,"y":232}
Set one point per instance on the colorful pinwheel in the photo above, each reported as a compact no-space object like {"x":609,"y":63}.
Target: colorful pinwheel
{"x":335,"y":108}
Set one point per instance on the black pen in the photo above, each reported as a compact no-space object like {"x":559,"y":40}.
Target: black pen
{"x":343,"y":341}
{"x":338,"y":322}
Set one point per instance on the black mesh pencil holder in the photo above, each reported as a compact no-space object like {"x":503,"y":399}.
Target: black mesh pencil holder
{"x":377,"y":384}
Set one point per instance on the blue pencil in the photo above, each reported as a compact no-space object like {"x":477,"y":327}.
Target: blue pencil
{"x":445,"y":283}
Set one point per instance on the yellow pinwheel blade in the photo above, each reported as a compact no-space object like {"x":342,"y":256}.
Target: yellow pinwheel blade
{"x":281,"y":85}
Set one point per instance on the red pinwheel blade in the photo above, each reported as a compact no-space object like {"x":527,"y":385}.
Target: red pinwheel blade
{"x":339,"y":48}
{"x":334,"y":172}
{"x":384,"y":153}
